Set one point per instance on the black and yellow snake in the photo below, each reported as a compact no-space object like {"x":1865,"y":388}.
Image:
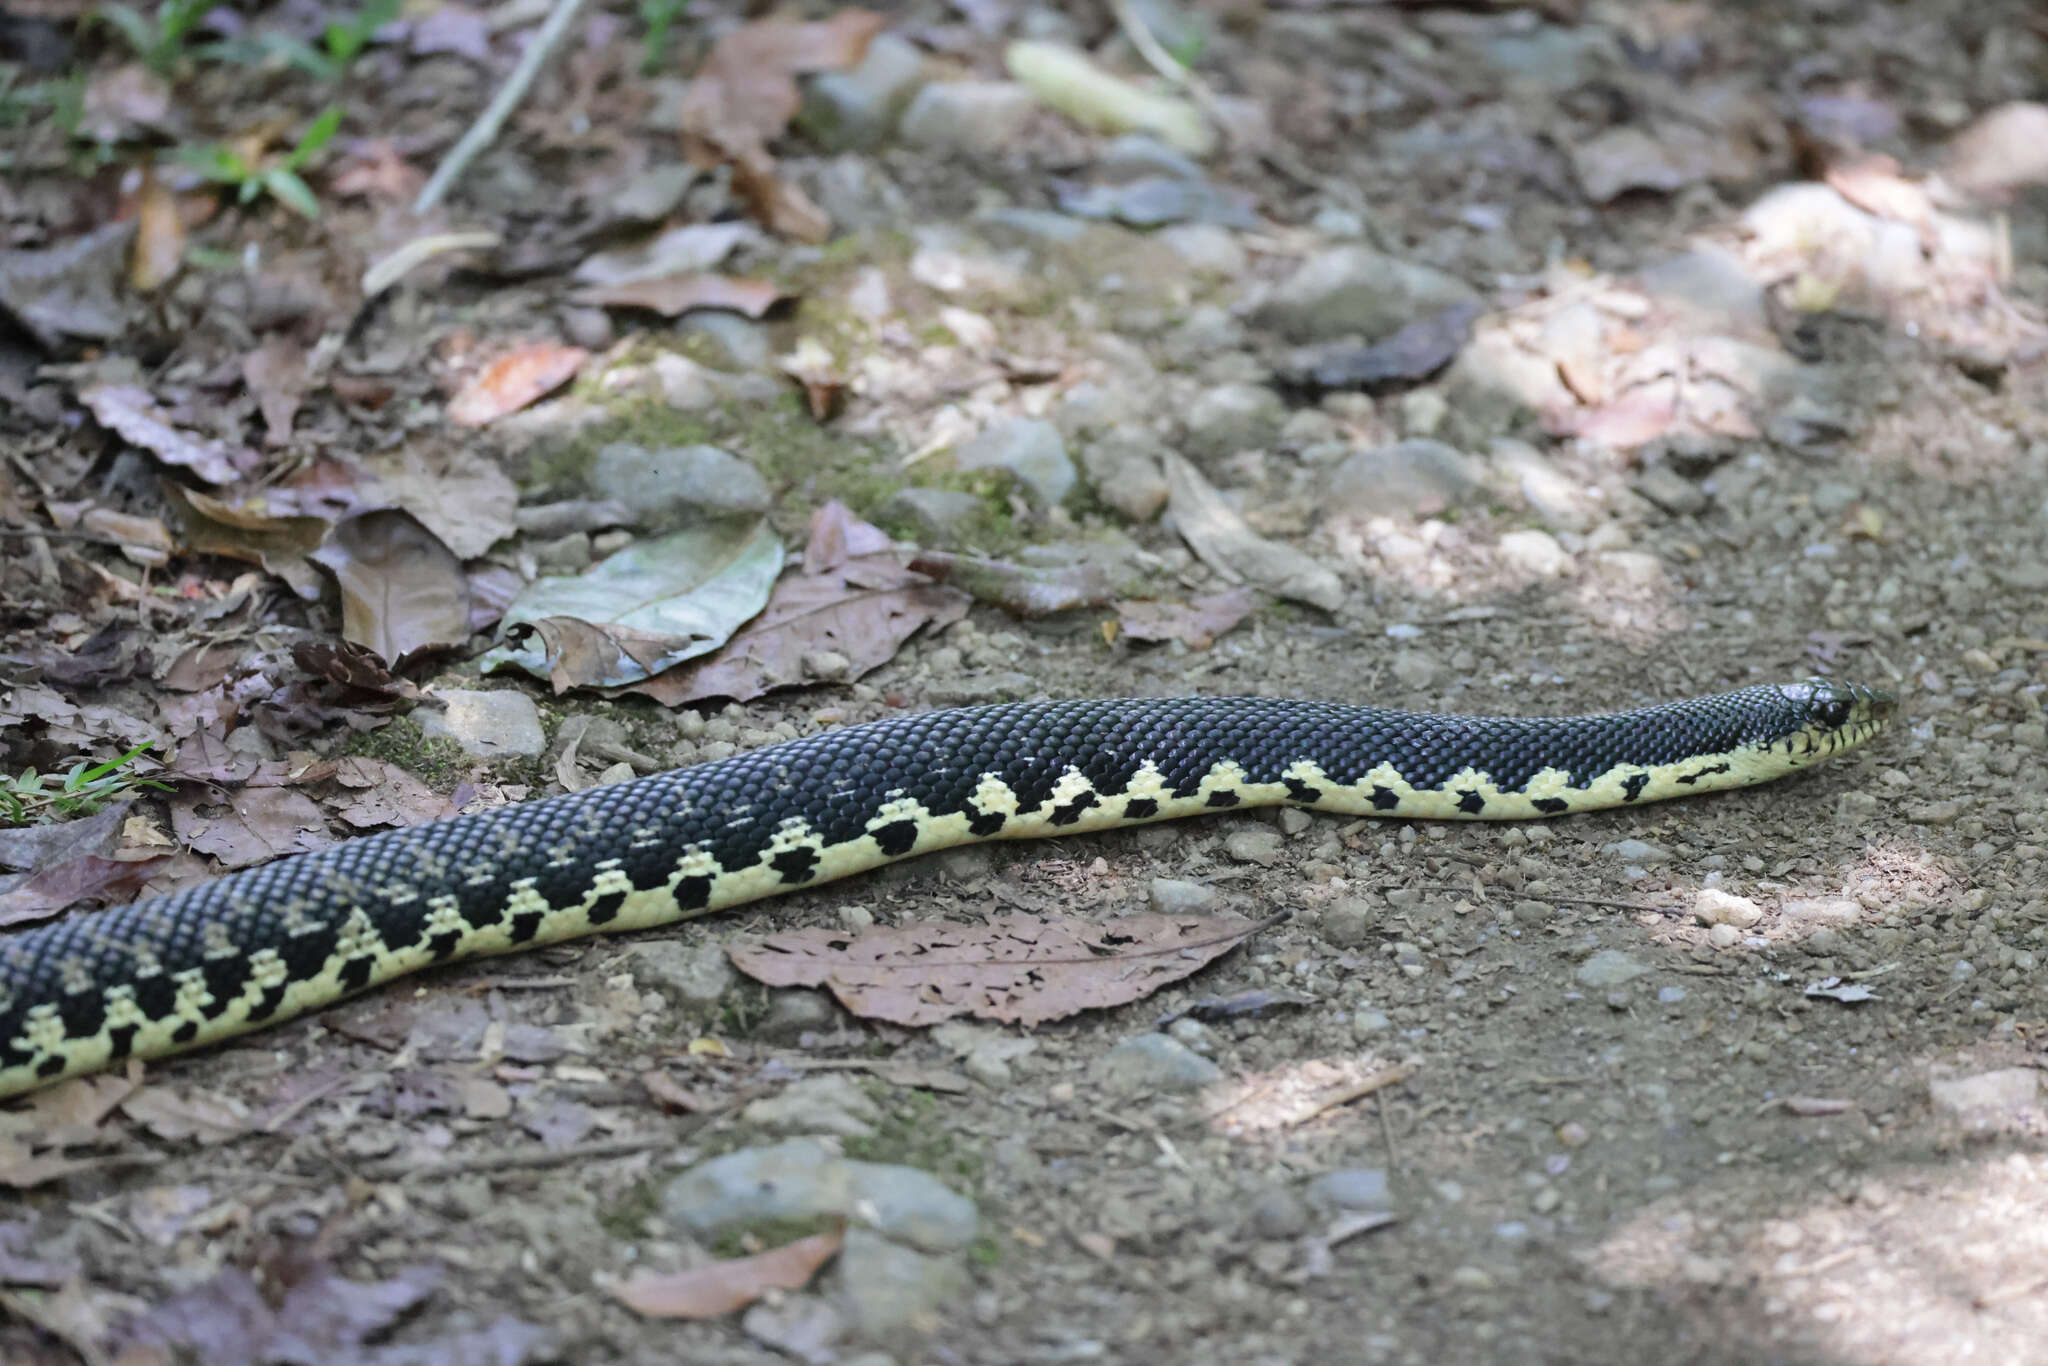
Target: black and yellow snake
{"x":264,"y":945}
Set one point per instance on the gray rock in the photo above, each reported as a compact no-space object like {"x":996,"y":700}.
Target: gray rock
{"x":1369,"y":1024}
{"x":1671,"y":491}
{"x":886,"y":1288}
{"x":1637,"y":851}
{"x":858,"y":109}
{"x":934,"y":517}
{"x":1037,"y":229}
{"x":1030,"y":448}
{"x":1278,"y":1212}
{"x":1609,"y":968}
{"x":1088,"y":409}
{"x":830,"y":1104}
{"x":1534,"y":553}
{"x":1147,"y":1063}
{"x":1136,"y":156}
{"x":1204,"y":248}
{"x":1124,"y":468}
{"x":1347,"y":922}
{"x":488,"y":725}
{"x":568,"y":554}
{"x":1415,"y":670}
{"x":1712,"y":284}
{"x":803,"y":1178}
{"x":1231,"y":418}
{"x":1418,"y":477}
{"x":1832,"y":498}
{"x":730,"y":339}
{"x":1253,"y":846}
{"x":806,"y":1328}
{"x":1712,"y":906}
{"x":1347,"y":1189}
{"x":1553,"y":496}
{"x":1550,"y":58}
{"x":678,"y":486}
{"x":692,"y":975}
{"x":858,"y":195}
{"x":794,"y":1011}
{"x":1352,"y":290}
{"x":654,"y":193}
{"x":1172,"y":896}
{"x":975,"y":118}
{"x":1987,"y":1097}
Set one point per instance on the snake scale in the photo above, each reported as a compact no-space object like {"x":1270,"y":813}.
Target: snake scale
{"x":163,"y":975}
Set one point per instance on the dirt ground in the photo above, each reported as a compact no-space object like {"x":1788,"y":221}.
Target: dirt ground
{"x":1516,"y":1099}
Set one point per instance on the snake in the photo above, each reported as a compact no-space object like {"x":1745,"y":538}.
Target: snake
{"x":166,"y":974}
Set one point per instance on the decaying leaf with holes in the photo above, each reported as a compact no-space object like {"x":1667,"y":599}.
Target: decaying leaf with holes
{"x":1018,"y":969}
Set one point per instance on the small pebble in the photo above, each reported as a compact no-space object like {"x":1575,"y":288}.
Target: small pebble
{"x":1174,"y":896}
{"x":1254,"y":846}
{"x":1347,"y":921}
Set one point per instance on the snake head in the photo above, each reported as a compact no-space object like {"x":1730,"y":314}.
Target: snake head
{"x":1838,"y":715}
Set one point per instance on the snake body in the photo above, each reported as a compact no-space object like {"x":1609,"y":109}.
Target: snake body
{"x":176,"y":972}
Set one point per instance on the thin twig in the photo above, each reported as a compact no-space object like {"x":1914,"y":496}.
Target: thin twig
{"x":1342,"y":1096}
{"x":46,"y":533}
{"x":485,"y":130}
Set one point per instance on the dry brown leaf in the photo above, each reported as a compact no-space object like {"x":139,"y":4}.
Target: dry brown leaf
{"x":253,"y":826}
{"x":745,"y":93}
{"x":854,"y":597}
{"x":200,"y":667}
{"x":815,"y":367}
{"x":159,"y":247}
{"x":511,"y":382}
{"x":144,"y":540}
{"x":174,"y":1116}
{"x":1018,"y":969}
{"x":402,"y":588}
{"x":92,"y":878}
{"x":250,"y":531}
{"x":387,"y":795}
{"x":373,"y":169}
{"x":673,"y":295}
{"x":276,"y":374}
{"x":706,"y":1292}
{"x":462,"y":496}
{"x":1198,"y":622}
{"x":128,"y":411}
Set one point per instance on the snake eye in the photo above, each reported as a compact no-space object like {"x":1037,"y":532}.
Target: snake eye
{"x":1833,"y":712}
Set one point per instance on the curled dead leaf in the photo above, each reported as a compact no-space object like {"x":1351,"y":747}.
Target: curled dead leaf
{"x":511,"y":382}
{"x":131,"y":413}
{"x":673,"y":295}
{"x":706,"y":1292}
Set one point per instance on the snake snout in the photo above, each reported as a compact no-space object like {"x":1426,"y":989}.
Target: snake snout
{"x":1854,"y":708}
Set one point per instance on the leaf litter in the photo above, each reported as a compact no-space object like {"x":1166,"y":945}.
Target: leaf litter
{"x":641,"y":610}
{"x":1015,"y":969}
{"x":745,"y":94}
{"x":855,"y":598}
{"x":313,"y":1316}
